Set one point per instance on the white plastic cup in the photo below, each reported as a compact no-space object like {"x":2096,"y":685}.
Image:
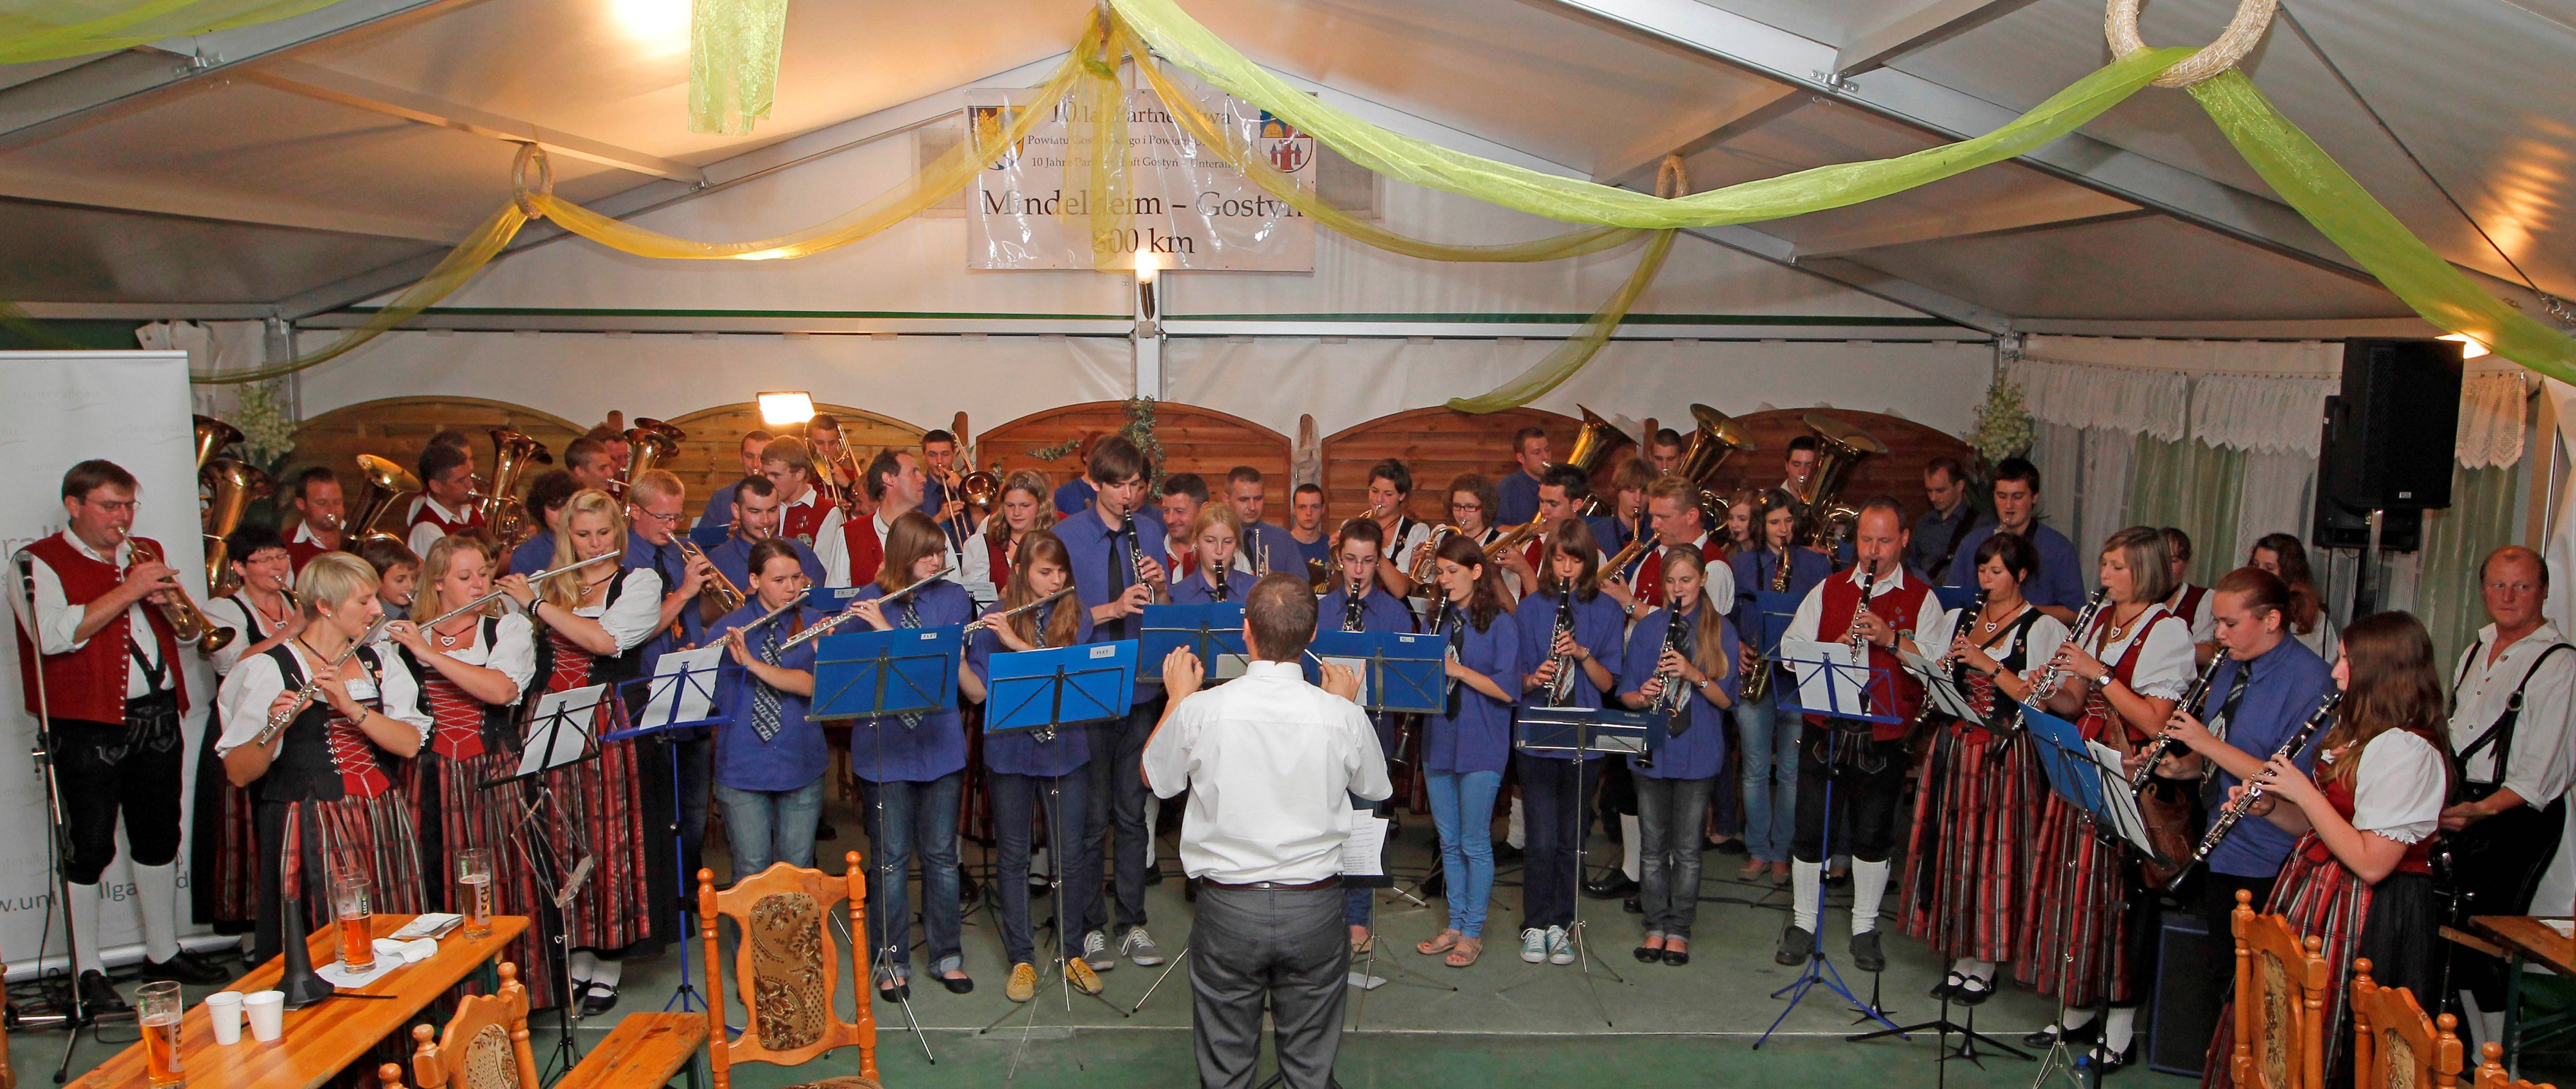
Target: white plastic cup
{"x":267,"y":1013}
{"x":224,"y":1014}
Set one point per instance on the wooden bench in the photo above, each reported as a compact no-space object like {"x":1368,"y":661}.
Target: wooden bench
{"x":645,"y":1049}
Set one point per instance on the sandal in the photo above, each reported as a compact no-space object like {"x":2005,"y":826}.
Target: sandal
{"x":1753,"y":870}
{"x":1466,"y":953}
{"x":1441,"y":942}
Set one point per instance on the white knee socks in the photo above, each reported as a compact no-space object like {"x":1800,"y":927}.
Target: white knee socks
{"x":607,"y":972}
{"x":1628,"y":840}
{"x":2117,"y":1031}
{"x":1869,"y":886}
{"x":157,"y":893}
{"x":1806,"y":888}
{"x":585,"y":965}
{"x":1983,"y":971}
{"x":85,"y":930}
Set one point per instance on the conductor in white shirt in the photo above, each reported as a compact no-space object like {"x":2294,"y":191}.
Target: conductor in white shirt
{"x":1272,"y":764}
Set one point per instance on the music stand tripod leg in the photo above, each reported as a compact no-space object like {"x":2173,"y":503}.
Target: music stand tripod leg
{"x":1819,"y":969}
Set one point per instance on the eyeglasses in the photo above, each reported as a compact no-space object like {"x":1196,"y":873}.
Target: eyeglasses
{"x":672,"y":518}
{"x":112,"y":506}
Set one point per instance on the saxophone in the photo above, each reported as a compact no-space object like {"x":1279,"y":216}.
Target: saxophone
{"x":1757,"y":681}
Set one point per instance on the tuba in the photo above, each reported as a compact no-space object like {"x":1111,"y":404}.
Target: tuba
{"x":1839,"y":446}
{"x":1715,"y":438}
{"x":651,"y":442}
{"x":1593,"y":445}
{"x":387,"y":483}
{"x":233,"y":486}
{"x":212,"y":436}
{"x":512,"y":452}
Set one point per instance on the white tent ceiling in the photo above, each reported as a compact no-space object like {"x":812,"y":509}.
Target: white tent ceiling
{"x":306,"y":165}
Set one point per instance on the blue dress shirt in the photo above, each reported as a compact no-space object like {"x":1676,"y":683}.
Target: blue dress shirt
{"x":1598,"y":627}
{"x":1699,"y":751}
{"x":1518,"y":495}
{"x":2289,"y":682}
{"x":533,"y":555}
{"x":733,"y":557}
{"x":1104,"y":565}
{"x":1195,"y":590}
{"x":1475,"y":733}
{"x":2059,"y":582}
{"x":796,"y":754}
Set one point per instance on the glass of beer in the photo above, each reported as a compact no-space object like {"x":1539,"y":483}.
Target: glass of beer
{"x":353,"y":903}
{"x":474,"y":890}
{"x":157,"y":1008}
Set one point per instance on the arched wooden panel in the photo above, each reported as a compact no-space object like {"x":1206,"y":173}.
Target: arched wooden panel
{"x":1436,"y":444}
{"x":398,"y":427}
{"x":712,"y":456}
{"x":1899,"y":472}
{"x":1194,"y":440}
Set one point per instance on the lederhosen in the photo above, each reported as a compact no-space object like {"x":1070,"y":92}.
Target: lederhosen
{"x":223,"y":870}
{"x":2496,"y":863}
{"x":1965,"y":865}
{"x":328,"y":802}
{"x":2061,"y":951}
{"x":471,"y":743}
{"x":603,"y":797}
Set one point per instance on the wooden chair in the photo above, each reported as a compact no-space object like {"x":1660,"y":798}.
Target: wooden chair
{"x":391,"y":1075}
{"x":2394,"y":1046}
{"x":2491,"y":1073}
{"x":2280,"y":1004}
{"x":788,"y":970}
{"x":486,"y":1045}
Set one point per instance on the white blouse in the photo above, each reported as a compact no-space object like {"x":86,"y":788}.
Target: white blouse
{"x":513,"y":652}
{"x":2165,"y":664}
{"x":2046,"y":634}
{"x":636,"y":616}
{"x":256,"y":682}
{"x":2399,"y":787}
{"x":236,"y":612}
{"x":2324,"y":639}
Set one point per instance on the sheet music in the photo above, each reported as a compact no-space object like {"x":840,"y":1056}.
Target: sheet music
{"x":1838,"y":687}
{"x":2123,"y":805}
{"x":560,"y":733}
{"x":684,"y":699}
{"x":1363,"y":852}
{"x":1359,"y":667}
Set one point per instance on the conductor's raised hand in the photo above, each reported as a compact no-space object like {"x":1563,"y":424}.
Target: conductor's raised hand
{"x":1342,"y":680}
{"x":1181,"y":673}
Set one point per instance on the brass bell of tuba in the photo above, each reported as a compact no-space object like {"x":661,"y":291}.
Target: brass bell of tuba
{"x":512,"y":452}
{"x":212,"y":436}
{"x":1593,"y":444}
{"x":649,"y":443}
{"x":232,"y":485}
{"x":1839,"y":447}
{"x":387,"y":483}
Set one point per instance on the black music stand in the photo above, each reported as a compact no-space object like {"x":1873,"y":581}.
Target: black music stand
{"x":554,"y":741}
{"x":1211,"y":630}
{"x":678,"y":702}
{"x":2088,"y":775}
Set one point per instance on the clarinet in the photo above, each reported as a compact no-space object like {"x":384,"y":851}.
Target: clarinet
{"x":1868,"y":581}
{"x":1352,"y":608}
{"x":2055,"y":674}
{"x":1947,"y":663}
{"x":2165,"y":743}
{"x":1560,"y":684}
{"x":2253,"y":789}
{"x":1136,"y":552}
{"x":1669,"y":701}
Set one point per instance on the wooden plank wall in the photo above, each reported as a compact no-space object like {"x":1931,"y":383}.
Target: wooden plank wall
{"x":398,"y":427}
{"x":1194,"y":440}
{"x":1436,"y":445}
{"x":712,"y":458}
{"x":1899,"y":472}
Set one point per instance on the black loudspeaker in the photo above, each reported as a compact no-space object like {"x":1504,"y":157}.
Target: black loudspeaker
{"x":2388,"y":439}
{"x":2193,"y":972}
{"x":2340,"y":525}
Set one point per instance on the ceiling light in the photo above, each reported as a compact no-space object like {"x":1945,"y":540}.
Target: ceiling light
{"x":784,"y":409}
{"x":2469,"y":346}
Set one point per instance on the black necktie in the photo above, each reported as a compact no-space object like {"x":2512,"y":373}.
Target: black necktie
{"x":1117,"y":579}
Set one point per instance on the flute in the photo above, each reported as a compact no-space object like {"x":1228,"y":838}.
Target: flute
{"x":772,"y":614}
{"x":312,"y":687}
{"x":534,"y":579}
{"x":837,"y":619}
{"x":982,"y":622}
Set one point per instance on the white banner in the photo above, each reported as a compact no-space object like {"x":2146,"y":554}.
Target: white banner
{"x":1189,"y":208}
{"x":65,"y":407}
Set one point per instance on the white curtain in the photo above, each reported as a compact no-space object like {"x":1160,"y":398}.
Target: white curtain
{"x":2278,"y":496}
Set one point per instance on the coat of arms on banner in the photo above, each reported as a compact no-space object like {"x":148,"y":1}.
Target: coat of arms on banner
{"x":1287,"y":149}
{"x":985,"y":124}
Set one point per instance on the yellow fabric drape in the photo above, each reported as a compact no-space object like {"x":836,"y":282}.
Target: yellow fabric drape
{"x":36,"y":30}
{"x":733,"y":62}
{"x":461,"y":264}
{"x":1570,"y":356}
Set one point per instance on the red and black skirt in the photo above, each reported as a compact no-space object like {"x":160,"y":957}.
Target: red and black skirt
{"x":1966,"y":874}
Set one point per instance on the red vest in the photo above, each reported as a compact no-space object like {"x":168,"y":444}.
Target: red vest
{"x":867,"y":553}
{"x":2339,"y":792}
{"x":299,"y":553}
{"x":446,"y":527}
{"x":804,"y":522}
{"x":1903,"y":609}
{"x":998,"y":553}
{"x":89,"y":683}
{"x":1650,"y":574}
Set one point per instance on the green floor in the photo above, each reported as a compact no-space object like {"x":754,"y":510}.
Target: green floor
{"x":1505,"y":1023}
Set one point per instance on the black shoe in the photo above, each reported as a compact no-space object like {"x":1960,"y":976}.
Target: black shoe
{"x":1436,"y":886}
{"x":1865,"y":953}
{"x":959,"y":985}
{"x":824,"y":832}
{"x":1837,"y":880}
{"x":1505,"y":852}
{"x":1676,"y":957}
{"x":1611,"y":887}
{"x":1153,"y":875}
{"x":1948,"y":988}
{"x":1648,"y":956}
{"x":2112,"y":1061}
{"x":1795,"y":945}
{"x":1632,"y":907}
{"x":100,"y":997}
{"x":897,"y":991}
{"x":597,"y":999}
{"x":2086,"y":1033}
{"x":1972,"y":991}
{"x":1728,"y":846}
{"x":184,"y":967}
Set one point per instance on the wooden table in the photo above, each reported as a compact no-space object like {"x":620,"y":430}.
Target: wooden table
{"x":2525,"y":938}
{"x":321,"y":1039}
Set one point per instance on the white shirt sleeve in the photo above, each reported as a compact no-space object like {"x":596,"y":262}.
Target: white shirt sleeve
{"x":422,"y":536}
{"x":1167,"y":759}
{"x":244,"y":697}
{"x":2540,"y":766}
{"x":1366,"y":763}
{"x":2204,"y":628}
{"x":2165,"y":665}
{"x":638,"y":611}
{"x":1934,"y":638}
{"x":2046,"y":635}
{"x":234,"y":613}
{"x":2398,"y":787}
{"x":832,"y":550}
{"x":977,"y":566}
{"x":1721,"y":586}
{"x":57,"y":619}
{"x":399,"y":696}
{"x":513,"y":652}
{"x":1811,"y":611}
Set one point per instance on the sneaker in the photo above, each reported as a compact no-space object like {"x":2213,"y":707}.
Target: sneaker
{"x":1560,"y":946}
{"x":1796,"y":942}
{"x":1095,"y":952}
{"x":1865,"y":953}
{"x":1533,"y":945}
{"x":184,"y":967}
{"x":1024,"y":982}
{"x":1078,"y":972}
{"x":1138,"y":946}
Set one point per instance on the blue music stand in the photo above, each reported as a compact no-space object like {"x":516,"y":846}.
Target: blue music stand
{"x":1208,"y":630}
{"x":644,"y":692}
{"x":1955,"y":597}
{"x":1592,"y":730}
{"x":1063,"y":686}
{"x":1405,"y":674}
{"x":871,"y":674}
{"x":1774,"y":611}
{"x":2082,"y":778}
{"x":1878,"y":689}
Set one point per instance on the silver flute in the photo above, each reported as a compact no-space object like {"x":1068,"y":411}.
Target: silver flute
{"x":312,"y":687}
{"x":534,"y":579}
{"x":834,"y":621}
{"x":995,"y":619}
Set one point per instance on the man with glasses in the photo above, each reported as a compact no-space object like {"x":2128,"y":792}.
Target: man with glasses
{"x":106,"y":672}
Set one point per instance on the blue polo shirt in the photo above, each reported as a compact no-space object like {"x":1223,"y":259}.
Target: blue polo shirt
{"x":1753,"y":574}
{"x":1699,"y":751}
{"x":1475,"y":732}
{"x":1379,"y":610}
{"x":887,"y":750}
{"x":1024,"y":752}
{"x":795,"y":755}
{"x":533,"y":555}
{"x":2289,"y":682}
{"x":2059,"y":582}
{"x":1104,"y":565}
{"x":1074,"y":496}
{"x":1196,"y":590}
{"x":1518,"y":495}
{"x":733,"y":557}
{"x":1599,"y":627}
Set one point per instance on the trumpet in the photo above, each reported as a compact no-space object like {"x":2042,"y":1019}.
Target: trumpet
{"x":2165,"y":742}
{"x":2254,"y":788}
{"x":834,"y":621}
{"x":996,"y":619}
{"x":277,"y":723}
{"x":495,"y":595}
{"x":1636,"y":548}
{"x":188,"y":622}
{"x":1512,"y":538}
{"x":721,"y":590}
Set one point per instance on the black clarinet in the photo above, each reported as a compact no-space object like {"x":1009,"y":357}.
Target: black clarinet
{"x":2254,"y":789}
{"x":1352,"y":609}
{"x":2165,"y":743}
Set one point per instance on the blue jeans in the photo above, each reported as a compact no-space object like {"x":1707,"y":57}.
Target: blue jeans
{"x":767,"y":827}
{"x":1019,"y":801}
{"x":903,"y":817}
{"x":1769,"y":755}
{"x":1553,"y":794}
{"x":1462,"y":806}
{"x":1118,"y":792}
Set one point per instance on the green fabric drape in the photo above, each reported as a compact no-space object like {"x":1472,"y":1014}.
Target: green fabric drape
{"x":2194,"y":487}
{"x":37,"y":30}
{"x":2456,"y":540}
{"x":733,"y":62}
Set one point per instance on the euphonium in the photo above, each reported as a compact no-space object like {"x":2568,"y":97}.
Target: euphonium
{"x":1839,"y":446}
{"x":1426,"y":562}
{"x":1620,"y":561}
{"x":512,"y":452}
{"x":387,"y":483}
{"x":231,"y":486}
{"x":1715,"y":438}
{"x":212,"y":436}
{"x":1593,"y":444}
{"x":187,"y":622}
